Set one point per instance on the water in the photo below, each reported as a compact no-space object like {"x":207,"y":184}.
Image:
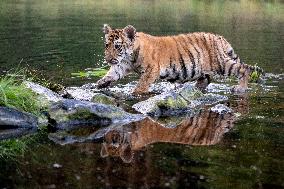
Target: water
{"x":61,"y":37}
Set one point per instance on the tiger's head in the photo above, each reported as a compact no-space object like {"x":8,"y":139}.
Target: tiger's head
{"x":117,"y":143}
{"x":119,"y":44}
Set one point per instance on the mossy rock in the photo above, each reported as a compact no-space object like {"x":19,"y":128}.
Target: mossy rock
{"x":69,"y":113}
{"x":103,"y":99}
{"x":178,"y":102}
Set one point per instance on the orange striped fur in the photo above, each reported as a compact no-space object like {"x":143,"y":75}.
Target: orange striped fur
{"x":180,"y":58}
{"x":204,"y":128}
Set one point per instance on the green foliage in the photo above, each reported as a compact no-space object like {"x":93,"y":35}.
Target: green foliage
{"x":10,"y":149}
{"x":95,"y":72}
{"x":14,"y":94}
{"x":255,"y":75}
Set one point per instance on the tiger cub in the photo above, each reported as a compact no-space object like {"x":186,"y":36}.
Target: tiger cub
{"x":180,"y":58}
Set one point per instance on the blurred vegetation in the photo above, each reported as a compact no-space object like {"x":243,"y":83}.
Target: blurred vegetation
{"x":95,"y":72}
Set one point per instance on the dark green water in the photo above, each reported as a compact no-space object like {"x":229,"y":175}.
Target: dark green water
{"x":61,"y":37}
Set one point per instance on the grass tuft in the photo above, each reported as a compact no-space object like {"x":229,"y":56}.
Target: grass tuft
{"x":14,"y":94}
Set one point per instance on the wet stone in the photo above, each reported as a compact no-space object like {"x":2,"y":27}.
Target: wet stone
{"x":70,"y":113}
{"x":13,"y":118}
{"x":46,"y":95}
{"x":14,"y":123}
{"x":103,"y":99}
{"x":176,"y":102}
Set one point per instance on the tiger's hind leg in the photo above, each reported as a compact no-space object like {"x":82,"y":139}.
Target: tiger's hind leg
{"x":203,"y":82}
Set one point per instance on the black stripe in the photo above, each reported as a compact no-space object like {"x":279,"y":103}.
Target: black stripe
{"x":230,"y":69}
{"x":198,"y":58}
{"x":191,"y":57}
{"x":183,"y":67}
{"x":207,"y":76}
{"x":216,"y":59}
{"x":181,"y":61}
{"x":193,"y":63}
{"x":222,"y":68}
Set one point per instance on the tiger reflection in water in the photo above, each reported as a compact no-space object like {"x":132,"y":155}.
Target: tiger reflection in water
{"x":204,"y":128}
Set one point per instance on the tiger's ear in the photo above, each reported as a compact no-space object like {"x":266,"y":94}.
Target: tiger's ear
{"x":130,"y":32}
{"x":106,"y":29}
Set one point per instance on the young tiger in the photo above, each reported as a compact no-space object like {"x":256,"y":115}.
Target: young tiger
{"x":180,"y":58}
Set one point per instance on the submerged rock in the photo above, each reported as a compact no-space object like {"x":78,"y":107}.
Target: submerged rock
{"x":46,"y":95}
{"x":14,"y":133}
{"x":70,"y":113}
{"x":12,"y":118}
{"x":176,"y":102}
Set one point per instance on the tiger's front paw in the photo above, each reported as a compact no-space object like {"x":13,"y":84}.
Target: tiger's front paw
{"x":103,"y":83}
{"x":139,"y":92}
{"x":238,"y":89}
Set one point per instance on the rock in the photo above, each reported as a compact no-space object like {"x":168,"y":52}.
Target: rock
{"x":14,"y":133}
{"x":14,"y":123}
{"x":221,"y":109}
{"x":176,"y":102}
{"x":46,"y":95}
{"x":119,"y":91}
{"x":80,"y":93}
{"x":12,"y":118}
{"x":217,"y":88}
{"x":103,"y":99}
{"x":70,"y":113}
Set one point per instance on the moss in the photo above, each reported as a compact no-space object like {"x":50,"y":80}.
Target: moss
{"x":172,"y":103}
{"x":191,"y":94}
{"x":103,"y":99}
{"x":82,"y":114}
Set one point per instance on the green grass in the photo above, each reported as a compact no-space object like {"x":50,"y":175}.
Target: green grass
{"x":10,"y":149}
{"x":14,"y":94}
